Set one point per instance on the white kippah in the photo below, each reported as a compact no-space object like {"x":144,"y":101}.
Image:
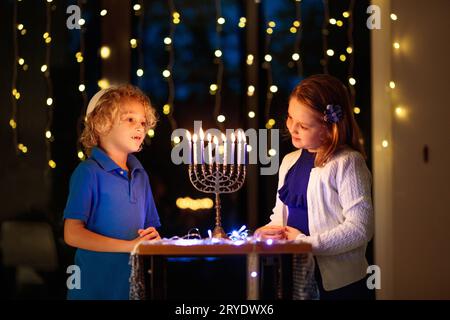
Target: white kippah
{"x":93,"y":102}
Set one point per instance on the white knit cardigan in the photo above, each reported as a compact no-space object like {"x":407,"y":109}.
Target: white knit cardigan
{"x":340,"y":215}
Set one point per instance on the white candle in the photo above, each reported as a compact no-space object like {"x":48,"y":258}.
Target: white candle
{"x":233,"y":138}
{"x":239,"y":149}
{"x":216,"y":146}
{"x":244,"y":150}
{"x":188,"y":137}
{"x":224,"y":140}
{"x":209,"y":149}
{"x":202,"y":147}
{"x":194,"y":139}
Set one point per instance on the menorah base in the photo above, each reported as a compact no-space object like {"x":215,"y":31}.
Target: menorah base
{"x":219,"y":233}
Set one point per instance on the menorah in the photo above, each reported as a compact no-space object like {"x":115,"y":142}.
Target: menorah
{"x":219,"y":174}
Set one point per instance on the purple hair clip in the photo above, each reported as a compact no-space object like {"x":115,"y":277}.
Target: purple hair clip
{"x":333,"y":113}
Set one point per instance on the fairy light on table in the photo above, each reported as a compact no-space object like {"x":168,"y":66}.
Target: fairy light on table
{"x":218,"y":174}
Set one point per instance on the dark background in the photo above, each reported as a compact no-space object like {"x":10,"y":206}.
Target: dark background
{"x":31,"y":191}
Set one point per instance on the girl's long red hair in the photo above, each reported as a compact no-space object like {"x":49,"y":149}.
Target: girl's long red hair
{"x":317,"y":92}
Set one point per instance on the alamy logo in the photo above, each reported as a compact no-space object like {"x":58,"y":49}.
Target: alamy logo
{"x":374,"y":280}
{"x":374,"y":21}
{"x":74,"y":280}
{"x":73,"y":21}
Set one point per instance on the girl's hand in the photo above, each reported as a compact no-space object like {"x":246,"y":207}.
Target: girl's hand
{"x":291,"y":233}
{"x":151,"y":232}
{"x":270,"y":232}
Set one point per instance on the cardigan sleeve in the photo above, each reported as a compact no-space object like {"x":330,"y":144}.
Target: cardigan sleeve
{"x":353,"y":182}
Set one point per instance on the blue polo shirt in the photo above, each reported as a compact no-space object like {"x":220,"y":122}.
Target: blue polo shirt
{"x":114,"y":203}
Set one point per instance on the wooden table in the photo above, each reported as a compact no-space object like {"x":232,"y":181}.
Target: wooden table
{"x":166,"y":248}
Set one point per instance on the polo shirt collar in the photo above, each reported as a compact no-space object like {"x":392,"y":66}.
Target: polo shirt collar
{"x":108,"y":164}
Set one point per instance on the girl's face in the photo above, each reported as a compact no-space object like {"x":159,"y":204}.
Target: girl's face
{"x":304,"y":126}
{"x":128,"y":130}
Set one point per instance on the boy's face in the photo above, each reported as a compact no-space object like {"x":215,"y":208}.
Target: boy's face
{"x":128,"y":129}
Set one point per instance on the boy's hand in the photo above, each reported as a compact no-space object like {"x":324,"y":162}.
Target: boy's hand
{"x":144,"y":235}
{"x":150,"y":233}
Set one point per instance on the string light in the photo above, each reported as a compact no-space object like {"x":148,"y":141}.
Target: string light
{"x":135,"y":42}
{"x":297,"y":25}
{"x":271,"y":88}
{"x":242,"y":22}
{"x":105,"y":52}
{"x":400,"y":112}
{"x":81,"y":87}
{"x":15,"y":95}
{"x":249,"y":59}
{"x":250,"y":90}
{"x":325,"y":32}
{"x":49,"y":96}
{"x":103,"y":83}
{"x":168,"y":108}
{"x":351,"y":59}
{"x":219,"y":61}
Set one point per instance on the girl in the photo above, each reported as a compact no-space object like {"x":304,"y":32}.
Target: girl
{"x":110,"y":208}
{"x":324,"y":188}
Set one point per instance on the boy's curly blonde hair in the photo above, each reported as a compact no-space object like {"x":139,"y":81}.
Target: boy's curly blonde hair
{"x":106,"y":111}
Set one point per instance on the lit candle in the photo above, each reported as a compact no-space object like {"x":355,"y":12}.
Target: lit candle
{"x":224,"y":139}
{"x":239,"y":149}
{"x":194,"y":139}
{"x":209,"y":149}
{"x":216,"y":148}
{"x":233,"y":138}
{"x":188,"y":137}
{"x":202,"y":136}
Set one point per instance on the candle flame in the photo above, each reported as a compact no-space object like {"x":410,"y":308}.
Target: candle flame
{"x":202,"y":135}
{"x":208,"y":137}
{"x":233,"y":137}
{"x":194,"y":138}
{"x":224,"y":138}
{"x":216,"y":141}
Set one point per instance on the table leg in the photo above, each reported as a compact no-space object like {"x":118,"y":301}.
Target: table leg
{"x":253,"y":276}
{"x":157,"y":275}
